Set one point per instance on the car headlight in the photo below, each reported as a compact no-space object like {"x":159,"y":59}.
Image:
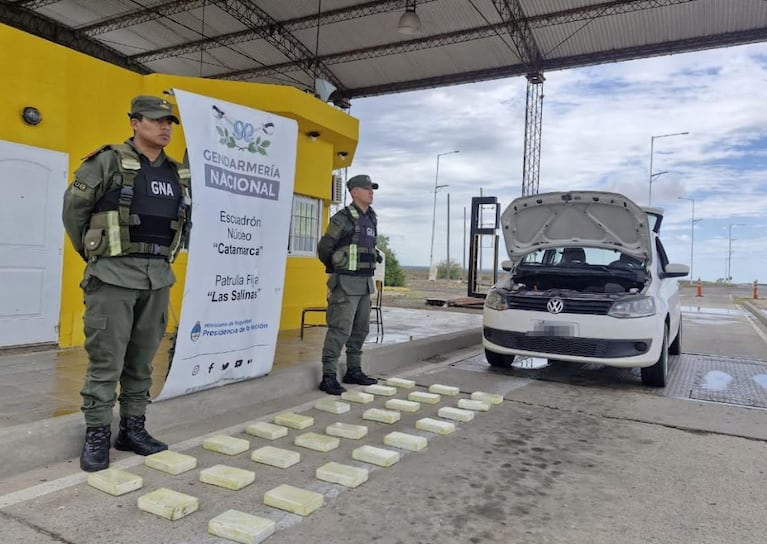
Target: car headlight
{"x":496,"y":300}
{"x":633,"y":307}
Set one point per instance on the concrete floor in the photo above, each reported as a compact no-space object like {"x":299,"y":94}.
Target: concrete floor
{"x":37,"y":385}
{"x":581,"y":460}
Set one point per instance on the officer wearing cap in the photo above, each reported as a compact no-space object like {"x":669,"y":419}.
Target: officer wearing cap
{"x":127,"y":214}
{"x":347,"y":249}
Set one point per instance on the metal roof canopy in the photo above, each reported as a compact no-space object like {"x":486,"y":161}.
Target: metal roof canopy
{"x":355,"y":45}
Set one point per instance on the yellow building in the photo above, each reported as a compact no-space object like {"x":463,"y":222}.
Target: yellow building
{"x":81,"y":103}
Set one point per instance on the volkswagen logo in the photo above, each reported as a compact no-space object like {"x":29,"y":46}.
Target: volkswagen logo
{"x":555,"y":305}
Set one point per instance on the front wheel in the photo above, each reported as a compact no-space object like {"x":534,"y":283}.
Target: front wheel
{"x":675,"y":348}
{"x":655,"y":375}
{"x":498,"y":360}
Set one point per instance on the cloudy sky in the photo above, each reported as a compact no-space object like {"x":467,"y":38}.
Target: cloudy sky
{"x":598,"y":123}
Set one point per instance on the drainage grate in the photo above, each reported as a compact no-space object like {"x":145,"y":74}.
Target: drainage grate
{"x":742,"y":382}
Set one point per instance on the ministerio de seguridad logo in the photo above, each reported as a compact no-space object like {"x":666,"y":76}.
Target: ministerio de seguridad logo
{"x":196,"y":332}
{"x":242,"y":135}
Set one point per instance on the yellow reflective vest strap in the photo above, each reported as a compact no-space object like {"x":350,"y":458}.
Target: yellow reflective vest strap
{"x":129,"y":166}
{"x":114,"y":233}
{"x":354,"y":257}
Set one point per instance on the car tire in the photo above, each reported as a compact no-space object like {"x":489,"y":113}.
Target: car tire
{"x":498,"y":360}
{"x":655,"y":375}
{"x":675,"y":348}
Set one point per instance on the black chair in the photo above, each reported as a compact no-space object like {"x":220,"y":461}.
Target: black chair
{"x":626,"y":262}
{"x":320,"y":309}
{"x":573,"y":255}
{"x":376,"y":312}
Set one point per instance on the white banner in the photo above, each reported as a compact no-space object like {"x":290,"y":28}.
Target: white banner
{"x":243,"y":168}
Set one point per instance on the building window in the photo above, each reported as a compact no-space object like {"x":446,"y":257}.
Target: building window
{"x":305,"y":226}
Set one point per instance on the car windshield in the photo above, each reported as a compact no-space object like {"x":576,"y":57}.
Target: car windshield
{"x":583,"y":269}
{"x":575,"y":256}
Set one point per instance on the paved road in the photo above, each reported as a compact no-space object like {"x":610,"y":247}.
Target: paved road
{"x":572,"y":455}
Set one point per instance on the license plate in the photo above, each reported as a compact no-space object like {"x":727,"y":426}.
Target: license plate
{"x":552,"y":328}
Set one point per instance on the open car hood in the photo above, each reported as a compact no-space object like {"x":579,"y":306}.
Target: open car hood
{"x":575,"y":219}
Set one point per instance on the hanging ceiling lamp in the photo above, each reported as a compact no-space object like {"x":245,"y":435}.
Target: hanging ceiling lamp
{"x":409,"y":22}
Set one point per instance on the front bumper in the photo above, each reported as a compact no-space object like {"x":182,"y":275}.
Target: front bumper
{"x":594,"y":339}
{"x":601,"y":348}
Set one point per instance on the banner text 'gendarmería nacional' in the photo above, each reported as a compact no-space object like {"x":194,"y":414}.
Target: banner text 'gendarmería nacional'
{"x":240,"y":176}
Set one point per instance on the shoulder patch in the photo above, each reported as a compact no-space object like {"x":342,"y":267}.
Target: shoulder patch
{"x":334,"y":231}
{"x":96,"y":152}
{"x":79,"y":185}
{"x":342,"y":218}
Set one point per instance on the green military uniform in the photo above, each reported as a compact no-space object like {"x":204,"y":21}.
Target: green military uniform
{"x":126,"y":301}
{"x":348,"y":251}
{"x":348,"y":319}
{"x":127,"y":215}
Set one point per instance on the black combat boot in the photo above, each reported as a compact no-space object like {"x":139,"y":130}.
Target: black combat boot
{"x":133,"y":437}
{"x":330,"y":385}
{"x":356,"y":376}
{"x":95,"y":454}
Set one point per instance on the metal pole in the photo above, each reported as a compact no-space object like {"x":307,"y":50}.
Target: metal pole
{"x":729,"y":249}
{"x":463,"y":261}
{"x":479,"y":243}
{"x":729,"y":252}
{"x":448,"y":236}
{"x":649,"y":194}
{"x":437,"y":187}
{"x":692,"y":235}
{"x":692,"y":239}
{"x":652,"y":146}
{"x":434,"y":217}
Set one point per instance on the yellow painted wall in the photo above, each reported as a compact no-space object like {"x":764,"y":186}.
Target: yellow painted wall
{"x":84,"y":103}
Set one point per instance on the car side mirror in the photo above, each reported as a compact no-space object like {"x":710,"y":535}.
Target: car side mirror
{"x":506,"y":266}
{"x":674,"y":270}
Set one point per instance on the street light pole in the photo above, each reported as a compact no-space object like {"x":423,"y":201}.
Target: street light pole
{"x":692,"y":235}
{"x":448,"y":236}
{"x":652,"y":150}
{"x":463,"y":260}
{"x":437,"y":187}
{"x":729,"y":248}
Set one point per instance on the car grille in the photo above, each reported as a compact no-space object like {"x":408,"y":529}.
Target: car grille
{"x":568,"y":345}
{"x":571,"y":305}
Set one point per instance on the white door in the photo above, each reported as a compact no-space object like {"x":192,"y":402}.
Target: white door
{"x":32,"y":183}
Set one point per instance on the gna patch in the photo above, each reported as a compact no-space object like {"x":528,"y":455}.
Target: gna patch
{"x":80,"y":185}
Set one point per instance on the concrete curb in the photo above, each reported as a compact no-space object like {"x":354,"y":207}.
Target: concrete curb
{"x":54,"y":440}
{"x":754,"y":310}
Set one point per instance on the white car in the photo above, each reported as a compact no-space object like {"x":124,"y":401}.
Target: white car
{"x":589,"y":282}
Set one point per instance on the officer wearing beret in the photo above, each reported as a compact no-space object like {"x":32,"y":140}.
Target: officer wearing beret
{"x":127,"y":214}
{"x":347,"y":249}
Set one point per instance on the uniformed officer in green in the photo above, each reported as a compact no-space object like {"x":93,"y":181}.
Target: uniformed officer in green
{"x":347,"y":249}
{"x":126,"y":213}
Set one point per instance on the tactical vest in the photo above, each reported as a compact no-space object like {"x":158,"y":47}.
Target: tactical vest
{"x":356,"y":252}
{"x":146,"y":212}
